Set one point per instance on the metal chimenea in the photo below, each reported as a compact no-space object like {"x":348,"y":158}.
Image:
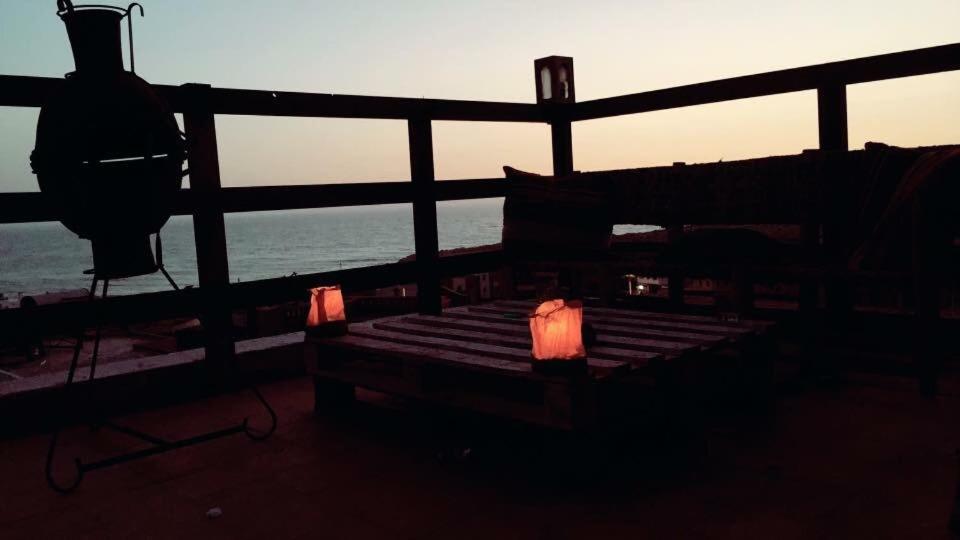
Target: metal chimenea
{"x":109,"y":153}
{"x":109,"y":157}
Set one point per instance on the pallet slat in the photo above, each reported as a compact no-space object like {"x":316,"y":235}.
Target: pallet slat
{"x":600,"y":366}
{"x":636,"y":358}
{"x":639,"y":314}
{"x":714,"y":329}
{"x":603,"y":331}
{"x":366,"y":345}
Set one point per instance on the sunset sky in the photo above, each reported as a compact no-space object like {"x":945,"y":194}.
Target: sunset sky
{"x":485,"y":51}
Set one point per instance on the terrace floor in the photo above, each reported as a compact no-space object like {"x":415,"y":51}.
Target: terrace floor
{"x":860,"y":460}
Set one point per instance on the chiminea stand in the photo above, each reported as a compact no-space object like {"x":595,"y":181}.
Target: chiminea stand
{"x":158,"y":444}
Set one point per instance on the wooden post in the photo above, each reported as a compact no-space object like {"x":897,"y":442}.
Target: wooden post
{"x":676,"y":277}
{"x":562,"y":142}
{"x":927,"y":239}
{"x":832,"y":117}
{"x":426,"y":244}
{"x":208,"y":229}
{"x":835,"y":237}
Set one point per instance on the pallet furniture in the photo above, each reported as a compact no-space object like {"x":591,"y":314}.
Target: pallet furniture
{"x":478,"y":358}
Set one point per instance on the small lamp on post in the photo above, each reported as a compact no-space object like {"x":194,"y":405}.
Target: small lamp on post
{"x":554,"y":79}
{"x":327,"y":316}
{"x":556,"y":328}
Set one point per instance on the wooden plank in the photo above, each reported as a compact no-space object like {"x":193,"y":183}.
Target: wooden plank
{"x":25,"y":208}
{"x":713,"y":328}
{"x":424,"y":215}
{"x":612,"y":336}
{"x":33,"y":207}
{"x":832,"y":123}
{"x":209,"y":233}
{"x":676,"y":277}
{"x":603,"y":331}
{"x":873,"y":68}
{"x":671,"y":335}
{"x":364,"y":345}
{"x":641,"y":314}
{"x":634,"y":357}
{"x":19,"y":91}
{"x":598,"y":366}
{"x":561,"y":139}
{"x":832,"y":117}
{"x":928,"y":243}
{"x":55,"y":318}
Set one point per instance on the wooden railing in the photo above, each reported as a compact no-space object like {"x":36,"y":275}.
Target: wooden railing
{"x":207,"y":201}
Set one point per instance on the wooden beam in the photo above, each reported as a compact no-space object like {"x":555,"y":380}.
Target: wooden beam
{"x":836,"y":231}
{"x":562,"y":143}
{"x":860,"y":70}
{"x":25,"y":208}
{"x":55,"y":318}
{"x":676,"y":278}
{"x":424,"y":215}
{"x":210,"y":236}
{"x":928,"y":240}
{"x":832,"y":117}
{"x":33,"y":207}
{"x":19,"y":91}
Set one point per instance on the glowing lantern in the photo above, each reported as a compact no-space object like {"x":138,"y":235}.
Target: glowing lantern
{"x":557,"y":335}
{"x":327,"y":315}
{"x":554,"y":79}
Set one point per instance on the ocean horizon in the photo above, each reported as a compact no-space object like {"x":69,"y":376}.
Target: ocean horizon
{"x":46,"y":257}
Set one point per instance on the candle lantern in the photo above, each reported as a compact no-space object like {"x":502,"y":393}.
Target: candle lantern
{"x":327,"y":316}
{"x":554,"y":79}
{"x":556,"y":330}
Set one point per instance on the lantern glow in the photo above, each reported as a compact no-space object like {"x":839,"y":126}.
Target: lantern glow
{"x":327,"y":313}
{"x":556,"y":331}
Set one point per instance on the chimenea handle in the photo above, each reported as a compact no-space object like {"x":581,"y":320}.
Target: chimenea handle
{"x":129,"y":16}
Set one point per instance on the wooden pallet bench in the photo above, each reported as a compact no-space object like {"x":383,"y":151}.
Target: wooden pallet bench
{"x":478,"y":358}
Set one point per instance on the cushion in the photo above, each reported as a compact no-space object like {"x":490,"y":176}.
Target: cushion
{"x":555,"y":218}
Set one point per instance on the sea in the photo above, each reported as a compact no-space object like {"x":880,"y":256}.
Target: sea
{"x":46,"y":257}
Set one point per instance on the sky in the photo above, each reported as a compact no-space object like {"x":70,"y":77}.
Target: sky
{"x":485,"y":51}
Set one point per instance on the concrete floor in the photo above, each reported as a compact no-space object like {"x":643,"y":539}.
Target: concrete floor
{"x":859,"y":461}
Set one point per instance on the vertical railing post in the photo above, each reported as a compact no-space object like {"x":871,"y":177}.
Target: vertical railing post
{"x":562,"y":144}
{"x":426,"y":244}
{"x":835,"y":237}
{"x":208,"y":228}
{"x":832,"y":117}
{"x":928,"y":240}
{"x":676,"y":277}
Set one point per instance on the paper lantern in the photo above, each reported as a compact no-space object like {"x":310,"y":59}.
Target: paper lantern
{"x":555,"y":328}
{"x":327,"y":315}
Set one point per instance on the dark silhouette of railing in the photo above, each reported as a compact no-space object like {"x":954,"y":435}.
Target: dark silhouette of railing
{"x":207,"y":201}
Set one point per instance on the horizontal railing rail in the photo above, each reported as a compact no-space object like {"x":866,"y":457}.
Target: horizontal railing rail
{"x":19,"y":91}
{"x":33,"y":207}
{"x":861,"y":70}
{"x":190,"y":301}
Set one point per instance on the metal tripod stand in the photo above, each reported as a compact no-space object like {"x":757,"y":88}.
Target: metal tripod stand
{"x":158,"y":445}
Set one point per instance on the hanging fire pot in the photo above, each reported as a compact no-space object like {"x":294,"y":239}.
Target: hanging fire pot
{"x":109,"y":153}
